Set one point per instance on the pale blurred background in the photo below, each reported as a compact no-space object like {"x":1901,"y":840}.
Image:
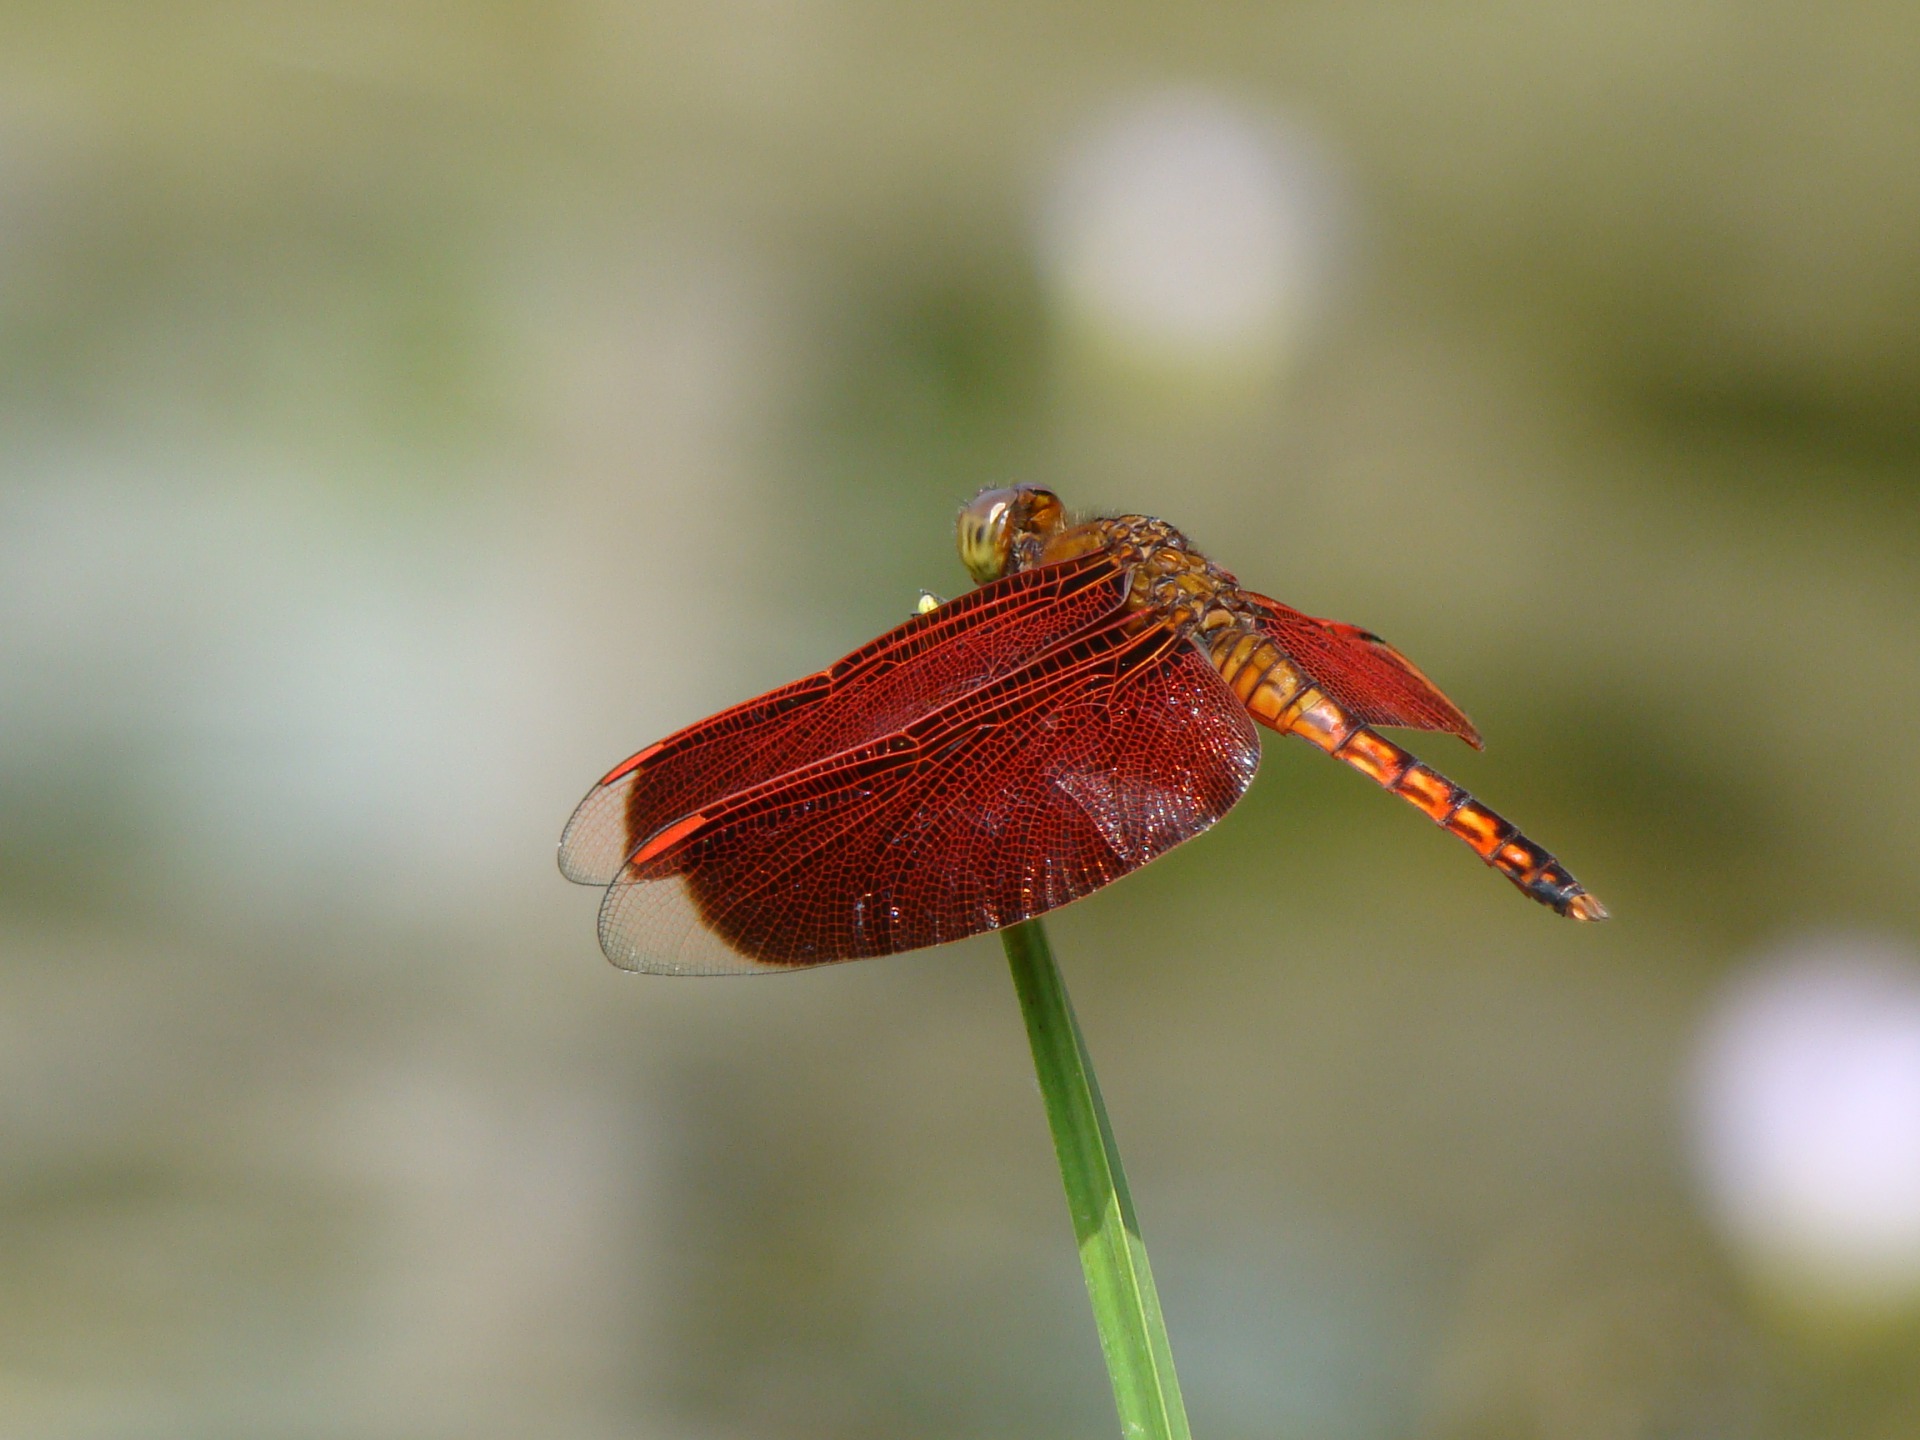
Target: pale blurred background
{"x":408,"y":410}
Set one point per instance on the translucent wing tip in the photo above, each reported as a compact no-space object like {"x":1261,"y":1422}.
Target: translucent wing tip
{"x":595,"y":844}
{"x":653,"y":927}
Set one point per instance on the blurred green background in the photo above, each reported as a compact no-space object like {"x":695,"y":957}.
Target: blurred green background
{"x":407,"y":410}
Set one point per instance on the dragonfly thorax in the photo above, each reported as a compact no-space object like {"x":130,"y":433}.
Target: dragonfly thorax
{"x":1006,"y":531}
{"x":1172,"y":582}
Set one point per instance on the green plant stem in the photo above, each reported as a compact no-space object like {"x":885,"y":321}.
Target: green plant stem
{"x":1126,"y":1309}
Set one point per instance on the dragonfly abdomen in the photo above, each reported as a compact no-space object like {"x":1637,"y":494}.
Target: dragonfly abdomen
{"x":1491,"y":836}
{"x":1275,"y":691}
{"x":1279,"y":695}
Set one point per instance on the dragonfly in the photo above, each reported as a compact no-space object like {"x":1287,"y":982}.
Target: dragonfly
{"x":1090,"y":705}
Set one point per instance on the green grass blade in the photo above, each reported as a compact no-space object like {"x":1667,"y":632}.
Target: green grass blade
{"x":1126,"y":1309}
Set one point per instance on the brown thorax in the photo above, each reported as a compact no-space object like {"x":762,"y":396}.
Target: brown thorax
{"x":1004,"y":531}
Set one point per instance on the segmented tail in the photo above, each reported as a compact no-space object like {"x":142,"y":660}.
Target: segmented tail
{"x":1496,"y":840}
{"x":1279,"y":695}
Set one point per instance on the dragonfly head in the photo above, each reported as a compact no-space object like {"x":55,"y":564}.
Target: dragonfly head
{"x":995,"y":520}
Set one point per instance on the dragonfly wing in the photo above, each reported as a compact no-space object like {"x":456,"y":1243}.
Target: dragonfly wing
{"x":879,"y":688}
{"x":1363,"y":673}
{"x":1010,"y":801}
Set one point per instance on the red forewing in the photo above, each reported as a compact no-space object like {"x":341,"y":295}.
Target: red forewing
{"x":1362,"y":672}
{"x":879,"y":688}
{"x":1000,"y":804}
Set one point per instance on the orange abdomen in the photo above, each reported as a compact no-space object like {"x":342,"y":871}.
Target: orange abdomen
{"x":1279,"y":695}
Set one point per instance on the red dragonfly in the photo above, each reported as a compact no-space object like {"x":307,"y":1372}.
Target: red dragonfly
{"x":1087,"y":708}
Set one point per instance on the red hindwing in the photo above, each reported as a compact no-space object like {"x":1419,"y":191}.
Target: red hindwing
{"x":1363,"y":673}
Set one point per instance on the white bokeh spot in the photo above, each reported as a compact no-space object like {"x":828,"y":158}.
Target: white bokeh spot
{"x":1807,"y":1109}
{"x":1191,"y":228}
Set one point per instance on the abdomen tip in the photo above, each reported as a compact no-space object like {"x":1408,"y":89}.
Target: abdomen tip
{"x":1585,"y":907}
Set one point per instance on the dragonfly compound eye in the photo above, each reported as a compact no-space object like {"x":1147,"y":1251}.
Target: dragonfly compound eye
{"x":995,"y":519}
{"x":986,"y":533}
